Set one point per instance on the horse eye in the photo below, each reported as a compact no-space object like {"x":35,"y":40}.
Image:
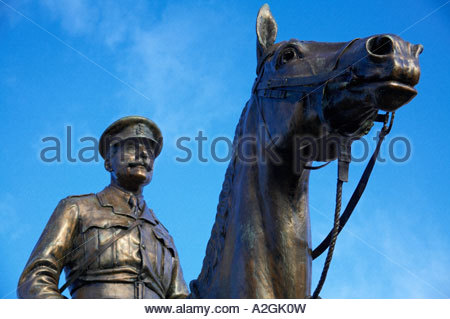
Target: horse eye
{"x":288,"y":55}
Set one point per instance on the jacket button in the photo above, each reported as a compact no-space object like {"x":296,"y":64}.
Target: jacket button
{"x":142,"y":246}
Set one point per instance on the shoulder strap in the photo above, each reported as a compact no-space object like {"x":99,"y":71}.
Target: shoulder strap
{"x":88,"y":261}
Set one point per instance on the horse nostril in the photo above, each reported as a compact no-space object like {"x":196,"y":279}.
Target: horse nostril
{"x":417,"y":49}
{"x":380,"y":45}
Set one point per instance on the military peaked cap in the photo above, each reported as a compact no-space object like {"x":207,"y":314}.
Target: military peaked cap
{"x":131,"y":127}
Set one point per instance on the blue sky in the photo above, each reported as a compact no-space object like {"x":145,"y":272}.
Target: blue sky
{"x":189,"y":66}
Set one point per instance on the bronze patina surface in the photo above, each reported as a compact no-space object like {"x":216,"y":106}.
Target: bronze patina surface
{"x":143,"y":263}
{"x":260,"y":245}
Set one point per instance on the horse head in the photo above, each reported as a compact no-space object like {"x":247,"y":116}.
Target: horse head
{"x":334,"y":86}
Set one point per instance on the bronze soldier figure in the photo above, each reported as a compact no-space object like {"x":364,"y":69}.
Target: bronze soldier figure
{"x":110,"y":244}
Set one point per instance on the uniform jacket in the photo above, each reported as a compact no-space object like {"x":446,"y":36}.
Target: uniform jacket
{"x":74,"y":232}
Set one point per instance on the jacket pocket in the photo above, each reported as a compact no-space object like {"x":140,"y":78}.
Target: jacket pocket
{"x":99,"y":231}
{"x":103,"y":223}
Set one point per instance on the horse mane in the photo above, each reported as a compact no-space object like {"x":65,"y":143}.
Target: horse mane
{"x":216,"y":242}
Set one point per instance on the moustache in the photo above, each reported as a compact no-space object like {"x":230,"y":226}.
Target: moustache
{"x":134,"y":164}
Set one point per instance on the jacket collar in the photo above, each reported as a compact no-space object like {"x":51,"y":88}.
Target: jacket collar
{"x":118,"y":200}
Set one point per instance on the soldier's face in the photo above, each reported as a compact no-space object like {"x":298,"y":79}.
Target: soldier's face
{"x":131,"y":163}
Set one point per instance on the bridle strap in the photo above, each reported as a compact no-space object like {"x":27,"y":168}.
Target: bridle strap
{"x":287,"y":82}
{"x":296,"y":84}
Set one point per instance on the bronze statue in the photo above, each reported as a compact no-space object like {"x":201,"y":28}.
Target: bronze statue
{"x":260,"y":245}
{"x":110,"y":244}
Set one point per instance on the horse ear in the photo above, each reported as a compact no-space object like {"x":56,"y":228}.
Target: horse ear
{"x":266,"y":30}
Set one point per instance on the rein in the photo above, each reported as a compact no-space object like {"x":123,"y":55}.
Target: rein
{"x":283,"y":87}
{"x":339,"y":222}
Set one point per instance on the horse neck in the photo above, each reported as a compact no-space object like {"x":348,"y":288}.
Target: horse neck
{"x":262,"y":231}
{"x":279,"y":186}
{"x":268,"y":219}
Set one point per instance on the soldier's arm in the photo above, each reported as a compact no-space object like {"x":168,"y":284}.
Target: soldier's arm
{"x":178,"y":287}
{"x":41,"y":274}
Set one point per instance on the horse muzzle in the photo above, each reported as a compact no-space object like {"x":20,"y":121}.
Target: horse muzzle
{"x":390,"y":69}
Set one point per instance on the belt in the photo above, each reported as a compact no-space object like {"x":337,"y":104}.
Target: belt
{"x":114,"y":290}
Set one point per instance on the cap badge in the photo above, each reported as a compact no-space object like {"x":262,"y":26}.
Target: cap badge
{"x":140,"y":129}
